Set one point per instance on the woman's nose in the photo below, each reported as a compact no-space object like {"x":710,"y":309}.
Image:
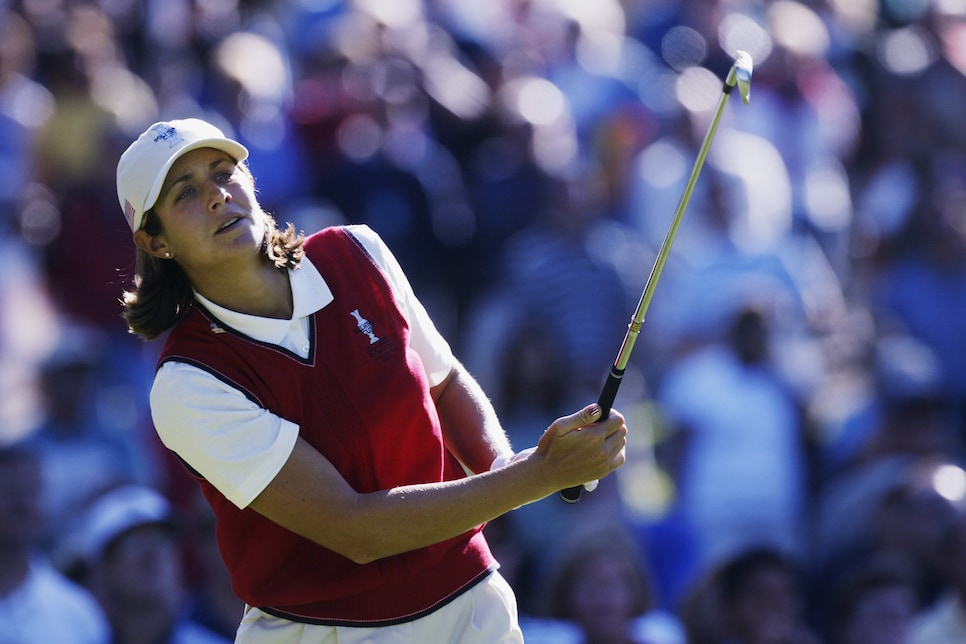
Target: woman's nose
{"x":218,"y":195}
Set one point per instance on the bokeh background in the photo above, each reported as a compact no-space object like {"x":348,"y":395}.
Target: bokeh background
{"x":797,"y":397}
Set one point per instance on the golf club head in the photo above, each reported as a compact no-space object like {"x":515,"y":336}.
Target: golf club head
{"x":743,"y":68}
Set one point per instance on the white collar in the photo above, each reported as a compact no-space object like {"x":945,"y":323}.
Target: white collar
{"x":310,"y":293}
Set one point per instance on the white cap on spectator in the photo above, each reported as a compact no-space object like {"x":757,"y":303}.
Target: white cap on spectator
{"x":118,"y":511}
{"x":145,"y":164}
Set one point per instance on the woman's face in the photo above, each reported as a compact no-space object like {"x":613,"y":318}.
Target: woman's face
{"x":208,"y":212}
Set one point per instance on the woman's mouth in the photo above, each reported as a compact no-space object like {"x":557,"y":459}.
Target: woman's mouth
{"x":228,"y":224}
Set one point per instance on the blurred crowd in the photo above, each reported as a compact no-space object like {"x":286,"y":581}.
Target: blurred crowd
{"x":797,"y":397}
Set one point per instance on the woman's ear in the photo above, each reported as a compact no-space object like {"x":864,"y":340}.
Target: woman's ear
{"x":151,"y":244}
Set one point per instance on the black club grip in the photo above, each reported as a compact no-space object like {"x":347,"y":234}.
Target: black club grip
{"x":605,"y":402}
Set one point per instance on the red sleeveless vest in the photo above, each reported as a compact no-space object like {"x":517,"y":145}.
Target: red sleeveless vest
{"x":361,"y":398}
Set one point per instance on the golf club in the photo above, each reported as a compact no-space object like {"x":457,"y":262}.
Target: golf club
{"x":739,"y":76}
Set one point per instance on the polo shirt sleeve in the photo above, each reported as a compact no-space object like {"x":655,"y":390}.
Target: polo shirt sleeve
{"x":216,"y":430}
{"x":426,"y":340}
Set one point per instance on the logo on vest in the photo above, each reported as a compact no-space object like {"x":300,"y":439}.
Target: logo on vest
{"x":365,"y":326}
{"x":379,"y":348}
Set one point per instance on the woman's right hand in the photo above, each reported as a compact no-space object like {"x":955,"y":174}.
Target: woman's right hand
{"x":577,"y":448}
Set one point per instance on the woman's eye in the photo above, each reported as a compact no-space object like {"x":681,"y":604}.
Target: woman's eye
{"x":187,"y":192}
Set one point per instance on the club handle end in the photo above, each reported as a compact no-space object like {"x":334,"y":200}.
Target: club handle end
{"x":571,"y":494}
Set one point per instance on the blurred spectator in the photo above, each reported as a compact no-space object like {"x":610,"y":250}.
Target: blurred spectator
{"x":735,"y":242}
{"x":79,"y":458}
{"x":38,"y":605}
{"x":586,"y":59}
{"x":83,"y":249}
{"x":133,"y":565}
{"x":549,"y":270}
{"x":893,"y":507}
{"x":600,"y":584}
{"x":700,"y":610}
{"x":875,"y":602}
{"x":879,"y":491}
{"x":737,"y":448}
{"x":921,"y":290}
{"x":371,"y":112}
{"x":745,"y":213}
{"x":762,"y":600}
{"x":28,"y":328}
{"x":753,"y":597}
{"x":25,"y":106}
{"x":26,"y":310}
{"x":906,"y":412}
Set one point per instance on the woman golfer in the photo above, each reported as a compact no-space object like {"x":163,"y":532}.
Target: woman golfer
{"x":326,"y":420}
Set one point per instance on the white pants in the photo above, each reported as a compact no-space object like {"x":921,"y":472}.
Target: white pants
{"x":485,"y":614}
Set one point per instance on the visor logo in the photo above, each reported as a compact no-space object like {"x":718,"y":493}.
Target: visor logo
{"x":166,"y":133}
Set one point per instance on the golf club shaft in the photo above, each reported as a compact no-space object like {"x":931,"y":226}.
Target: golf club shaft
{"x":616,"y":375}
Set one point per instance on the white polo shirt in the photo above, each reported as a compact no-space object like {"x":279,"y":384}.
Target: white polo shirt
{"x":236,"y":445}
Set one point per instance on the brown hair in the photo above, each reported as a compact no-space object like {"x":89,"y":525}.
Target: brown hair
{"x":162,"y":293}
